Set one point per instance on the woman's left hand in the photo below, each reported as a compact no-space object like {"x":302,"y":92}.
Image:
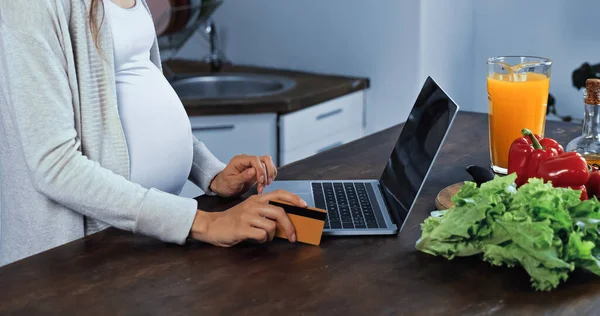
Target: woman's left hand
{"x":243,"y":172}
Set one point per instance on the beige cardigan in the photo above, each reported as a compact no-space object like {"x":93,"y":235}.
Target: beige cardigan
{"x":63,"y":157}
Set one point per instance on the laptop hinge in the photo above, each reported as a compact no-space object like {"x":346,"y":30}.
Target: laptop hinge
{"x":393,"y":215}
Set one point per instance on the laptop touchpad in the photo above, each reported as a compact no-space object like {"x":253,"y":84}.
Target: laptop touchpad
{"x":300,"y":188}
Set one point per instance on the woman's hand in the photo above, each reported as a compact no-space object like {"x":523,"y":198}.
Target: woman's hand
{"x":253,"y":219}
{"x":243,"y":172}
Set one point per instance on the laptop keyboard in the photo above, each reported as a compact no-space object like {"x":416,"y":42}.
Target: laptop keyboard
{"x":347,"y":204}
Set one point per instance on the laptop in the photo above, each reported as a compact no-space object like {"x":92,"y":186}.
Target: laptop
{"x":381,"y":206}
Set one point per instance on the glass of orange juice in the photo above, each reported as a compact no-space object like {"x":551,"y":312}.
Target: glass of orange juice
{"x":518,"y":90}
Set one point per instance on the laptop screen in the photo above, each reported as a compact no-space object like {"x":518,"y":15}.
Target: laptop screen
{"x":417,"y":146}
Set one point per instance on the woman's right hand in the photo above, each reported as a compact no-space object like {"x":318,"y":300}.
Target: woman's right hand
{"x":253,"y":219}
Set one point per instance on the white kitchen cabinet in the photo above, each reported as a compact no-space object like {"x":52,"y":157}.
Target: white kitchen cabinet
{"x":323,"y":126}
{"x":320,"y":145}
{"x":230,"y":135}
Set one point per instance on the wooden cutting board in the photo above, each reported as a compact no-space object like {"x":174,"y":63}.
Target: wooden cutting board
{"x":443,"y":199}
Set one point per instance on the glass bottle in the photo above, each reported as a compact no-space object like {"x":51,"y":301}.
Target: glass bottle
{"x":588,"y":144}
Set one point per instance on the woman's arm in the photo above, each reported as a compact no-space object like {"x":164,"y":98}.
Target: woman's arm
{"x":34,"y":84}
{"x":205,"y":167}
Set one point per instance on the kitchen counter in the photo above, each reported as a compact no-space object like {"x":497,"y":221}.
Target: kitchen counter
{"x":115,"y":272}
{"x":310,"y":89}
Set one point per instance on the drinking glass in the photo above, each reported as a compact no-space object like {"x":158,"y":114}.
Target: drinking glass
{"x":518,"y":88}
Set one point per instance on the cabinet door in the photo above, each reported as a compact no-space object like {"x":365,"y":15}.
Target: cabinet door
{"x":300,"y":128}
{"x":230,"y":135}
{"x":342,"y":137}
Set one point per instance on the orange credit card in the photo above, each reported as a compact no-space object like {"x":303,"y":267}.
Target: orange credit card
{"x":308,"y":221}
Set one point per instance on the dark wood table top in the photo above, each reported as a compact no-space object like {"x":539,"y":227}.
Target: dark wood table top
{"x":310,"y":89}
{"x":115,"y":272}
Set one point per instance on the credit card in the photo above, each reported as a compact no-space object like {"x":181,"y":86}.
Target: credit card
{"x":308,"y":221}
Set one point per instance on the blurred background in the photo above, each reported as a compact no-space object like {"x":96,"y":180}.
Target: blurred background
{"x":396,"y":44}
{"x":311,"y":75}
{"x":392,"y":46}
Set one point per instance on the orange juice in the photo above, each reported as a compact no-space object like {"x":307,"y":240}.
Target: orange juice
{"x":516,"y":101}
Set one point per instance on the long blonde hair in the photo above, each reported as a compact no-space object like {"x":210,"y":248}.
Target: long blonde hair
{"x":96,"y":7}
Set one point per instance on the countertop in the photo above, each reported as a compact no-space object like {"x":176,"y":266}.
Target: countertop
{"x":115,"y":272}
{"x":310,"y":89}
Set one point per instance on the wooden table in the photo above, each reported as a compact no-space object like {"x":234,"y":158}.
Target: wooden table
{"x":115,"y":272}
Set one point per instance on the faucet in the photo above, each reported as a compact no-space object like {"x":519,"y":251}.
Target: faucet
{"x":216,"y":58}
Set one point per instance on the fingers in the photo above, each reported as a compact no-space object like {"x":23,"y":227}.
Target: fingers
{"x":265,"y":169}
{"x":265,"y":224}
{"x":283,"y":196}
{"x":258,"y":216}
{"x":261,"y":172}
{"x":248,"y":175}
{"x":278,"y":214}
{"x":258,"y":234}
{"x":270,"y":167}
{"x":261,"y":186}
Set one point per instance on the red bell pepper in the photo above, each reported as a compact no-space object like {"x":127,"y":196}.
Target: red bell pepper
{"x":584,"y":193}
{"x":549,"y":142}
{"x":526,"y":153}
{"x":531,"y":156}
{"x":593,"y":183}
{"x":567,"y":170}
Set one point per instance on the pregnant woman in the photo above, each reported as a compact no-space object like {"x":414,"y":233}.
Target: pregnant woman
{"x":92,"y":135}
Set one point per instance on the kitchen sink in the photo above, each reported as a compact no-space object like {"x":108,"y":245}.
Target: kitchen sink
{"x":231,"y":86}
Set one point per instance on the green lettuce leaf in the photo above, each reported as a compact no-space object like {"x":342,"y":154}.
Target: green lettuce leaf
{"x":547,"y":231}
{"x":536,"y":238}
{"x":586,"y":219}
{"x":542,"y":278}
{"x":464,"y":229}
{"x":467,"y":190}
{"x":502,"y":186}
{"x":580,"y":252}
{"x":533,"y":246}
{"x":541,"y":201}
{"x":530,"y":227}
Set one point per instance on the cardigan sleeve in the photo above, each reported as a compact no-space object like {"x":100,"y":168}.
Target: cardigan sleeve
{"x":204,"y":167}
{"x":35,"y":90}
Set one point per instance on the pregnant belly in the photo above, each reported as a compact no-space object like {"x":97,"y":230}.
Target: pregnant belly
{"x":157,"y":130}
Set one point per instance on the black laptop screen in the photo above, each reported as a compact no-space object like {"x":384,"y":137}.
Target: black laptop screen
{"x":413,"y":155}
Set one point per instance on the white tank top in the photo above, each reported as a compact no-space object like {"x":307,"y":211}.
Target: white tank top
{"x":157,"y":129}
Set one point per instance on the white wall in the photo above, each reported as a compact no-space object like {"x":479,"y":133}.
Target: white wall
{"x":446,"y":47}
{"x":454,"y":46}
{"x":562,"y":30}
{"x":398,"y":43}
{"x":0,"y":202}
{"x":347,"y":37}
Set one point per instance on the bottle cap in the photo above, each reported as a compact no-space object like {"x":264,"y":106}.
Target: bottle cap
{"x":592,"y":91}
